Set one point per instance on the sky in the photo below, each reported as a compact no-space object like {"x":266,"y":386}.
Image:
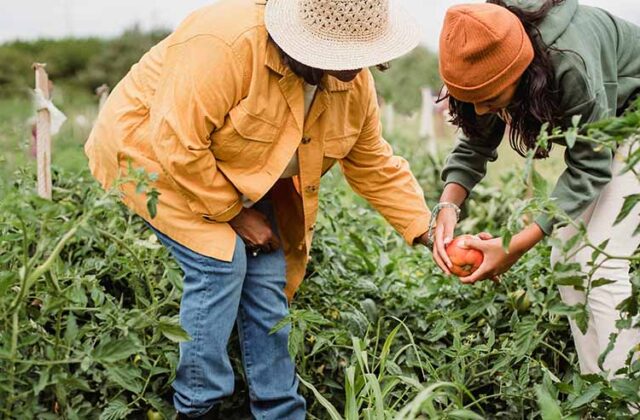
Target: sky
{"x":29,"y":19}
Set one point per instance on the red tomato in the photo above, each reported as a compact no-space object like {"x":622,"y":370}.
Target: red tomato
{"x":465,"y":261}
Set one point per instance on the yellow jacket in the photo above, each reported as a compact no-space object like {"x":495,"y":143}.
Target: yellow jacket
{"x":216,"y":114}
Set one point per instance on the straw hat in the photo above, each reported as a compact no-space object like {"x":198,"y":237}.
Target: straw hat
{"x":341,"y":34}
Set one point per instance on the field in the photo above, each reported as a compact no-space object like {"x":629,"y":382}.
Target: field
{"x":89,"y":303}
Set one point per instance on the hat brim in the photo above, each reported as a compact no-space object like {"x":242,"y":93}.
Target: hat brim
{"x":401,"y":36}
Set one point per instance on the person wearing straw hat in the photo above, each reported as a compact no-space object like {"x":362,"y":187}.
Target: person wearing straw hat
{"x":523,"y":64}
{"x":240,"y":112}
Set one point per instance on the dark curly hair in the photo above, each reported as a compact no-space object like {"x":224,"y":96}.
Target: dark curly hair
{"x":311,"y":75}
{"x":536,"y":100}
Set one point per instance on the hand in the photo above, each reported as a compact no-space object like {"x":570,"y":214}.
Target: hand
{"x":496,"y":260}
{"x":445,"y":225}
{"x":255,"y":230}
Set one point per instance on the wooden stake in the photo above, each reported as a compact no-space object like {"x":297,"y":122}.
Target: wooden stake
{"x":103,"y":94}
{"x":43,"y":138}
{"x":427,"y":129}
{"x":389,"y":117}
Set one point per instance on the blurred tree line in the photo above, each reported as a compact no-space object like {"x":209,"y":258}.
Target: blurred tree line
{"x":86,"y":63}
{"x":402,"y":84}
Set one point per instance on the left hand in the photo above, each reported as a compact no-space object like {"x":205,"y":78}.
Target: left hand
{"x":496,"y":260}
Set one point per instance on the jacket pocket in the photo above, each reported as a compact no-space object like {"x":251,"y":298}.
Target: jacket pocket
{"x":244,"y":135}
{"x":337,"y":147}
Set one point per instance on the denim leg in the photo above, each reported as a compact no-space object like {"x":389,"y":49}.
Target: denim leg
{"x":270,"y":371}
{"x":208,"y":311}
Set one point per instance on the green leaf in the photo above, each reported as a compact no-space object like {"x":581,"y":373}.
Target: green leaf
{"x":359,"y":243}
{"x":71,"y":332}
{"x":85,"y":364}
{"x":331,"y":409}
{"x":601,"y":282}
{"x":152,"y":202}
{"x":507,"y":235}
{"x":173,"y":331}
{"x":351,"y":407}
{"x":598,"y":250}
{"x":127,"y":377}
{"x":586,"y":396}
{"x":582,"y":319}
{"x":575,"y":120}
{"x":376,"y":393}
{"x":6,"y":280}
{"x":570,"y":279}
{"x":549,"y":407}
{"x":630,"y":202}
{"x":464,"y":415}
{"x":570,"y":137}
{"x":560,"y":308}
{"x":112,"y":351}
{"x":627,"y":387}
{"x":540,"y":185}
{"x":43,"y":381}
{"x":386,"y":348}
{"x":296,"y":342}
{"x":609,"y":349}
{"x":116,"y":410}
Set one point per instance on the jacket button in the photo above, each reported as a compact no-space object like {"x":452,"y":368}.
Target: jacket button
{"x":312,"y":189}
{"x":312,"y":228}
{"x":306,"y":140}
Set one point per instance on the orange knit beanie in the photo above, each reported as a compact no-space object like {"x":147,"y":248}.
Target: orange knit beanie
{"x":483,"y":50}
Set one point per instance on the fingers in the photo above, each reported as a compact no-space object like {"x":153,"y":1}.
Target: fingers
{"x":442,"y":249}
{"x":485,"y":236}
{"x":275,"y":242}
{"x":484,"y":272}
{"x":269,"y":242}
{"x":439,"y":261}
{"x":478,"y":275}
{"x":477,"y":244}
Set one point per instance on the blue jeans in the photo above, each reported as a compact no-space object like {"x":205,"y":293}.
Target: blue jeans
{"x":248,"y":292}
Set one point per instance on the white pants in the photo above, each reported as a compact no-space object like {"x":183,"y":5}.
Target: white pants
{"x":599,"y":218}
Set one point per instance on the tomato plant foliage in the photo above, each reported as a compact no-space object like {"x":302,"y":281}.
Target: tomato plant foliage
{"x":89,"y":302}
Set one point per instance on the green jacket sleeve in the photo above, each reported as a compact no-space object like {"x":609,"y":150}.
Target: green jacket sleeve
{"x":467,"y":163}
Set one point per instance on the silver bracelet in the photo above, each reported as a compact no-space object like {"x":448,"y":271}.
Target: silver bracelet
{"x":434,"y":217}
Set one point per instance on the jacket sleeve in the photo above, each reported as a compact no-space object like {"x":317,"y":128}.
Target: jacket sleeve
{"x":201,"y":81}
{"x":466,"y":165}
{"x":385,"y":180}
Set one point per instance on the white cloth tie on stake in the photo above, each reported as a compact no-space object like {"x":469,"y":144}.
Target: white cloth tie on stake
{"x":57,"y":117}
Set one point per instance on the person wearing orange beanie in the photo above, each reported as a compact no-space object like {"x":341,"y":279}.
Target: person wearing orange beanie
{"x":524,"y":66}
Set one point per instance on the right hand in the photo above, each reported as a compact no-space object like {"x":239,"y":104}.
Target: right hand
{"x":445,"y":226}
{"x":255,"y":230}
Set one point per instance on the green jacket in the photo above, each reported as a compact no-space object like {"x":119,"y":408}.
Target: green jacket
{"x":597,"y":66}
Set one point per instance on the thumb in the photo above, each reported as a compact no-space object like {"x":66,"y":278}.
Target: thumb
{"x":484,"y":236}
{"x":447,"y":239}
{"x":448,"y":234}
{"x":474,"y":243}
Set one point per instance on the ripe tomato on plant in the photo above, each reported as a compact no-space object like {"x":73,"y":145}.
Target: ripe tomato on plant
{"x":465,"y":260}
